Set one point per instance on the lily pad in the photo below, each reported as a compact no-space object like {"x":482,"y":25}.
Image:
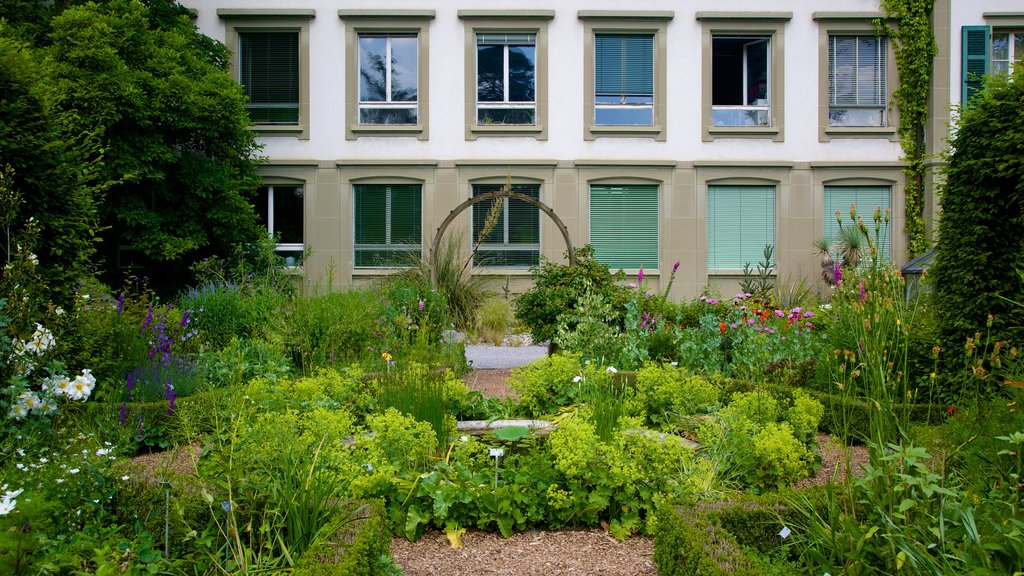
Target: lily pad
{"x":511,"y":433}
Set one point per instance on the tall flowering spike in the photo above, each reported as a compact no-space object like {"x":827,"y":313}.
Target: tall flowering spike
{"x":120,"y":304}
{"x":640,"y":276}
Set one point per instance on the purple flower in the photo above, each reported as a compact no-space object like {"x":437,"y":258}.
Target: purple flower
{"x":771,"y":331}
{"x":863,"y":294}
{"x":703,"y":298}
{"x":734,"y":326}
{"x":130,"y":384}
{"x":712,"y":301}
{"x":123,"y":413}
{"x":120,"y":304}
{"x":421,"y":305}
{"x":184,"y":320}
{"x":675,"y":267}
{"x":148,"y":321}
{"x":780,"y":313}
{"x":640,"y":276}
{"x":169,"y":395}
{"x":632,"y":285}
{"x":837,"y":274}
{"x":808,"y":314}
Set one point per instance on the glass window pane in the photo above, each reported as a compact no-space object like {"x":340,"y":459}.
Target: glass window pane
{"x":624,"y":116}
{"x":521,"y":61}
{"x":404,"y":68}
{"x":739,"y":117}
{"x":856,"y":117}
{"x":269,"y":73}
{"x":490,"y":76}
{"x":1018,"y":46}
{"x":727,"y":71}
{"x":370,"y":214}
{"x":757,"y":72}
{"x":288,"y":214}
{"x":263,"y":206}
{"x":1000,"y":67}
{"x":372,"y":68}
{"x":506,"y":116}
{"x":387,"y":115}
{"x":1000,"y":46}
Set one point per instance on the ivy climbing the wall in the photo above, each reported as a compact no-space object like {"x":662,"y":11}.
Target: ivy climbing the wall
{"x":908,"y":24}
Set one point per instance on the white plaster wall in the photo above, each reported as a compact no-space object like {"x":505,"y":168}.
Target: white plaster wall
{"x":565,"y":74}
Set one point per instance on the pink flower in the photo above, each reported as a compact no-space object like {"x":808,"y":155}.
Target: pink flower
{"x":675,"y":267}
{"x":640,"y":276}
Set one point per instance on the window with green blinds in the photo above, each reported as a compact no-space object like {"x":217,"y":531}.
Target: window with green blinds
{"x":268,"y":64}
{"x":514,"y":238}
{"x":866,"y":199}
{"x":741,"y":222}
{"x":388,"y":224}
{"x":624,"y":226}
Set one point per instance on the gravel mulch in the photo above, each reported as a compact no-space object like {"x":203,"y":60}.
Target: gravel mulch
{"x":492,"y":383}
{"x":566,"y":552}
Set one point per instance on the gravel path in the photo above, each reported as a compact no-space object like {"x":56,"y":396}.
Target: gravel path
{"x":489,"y":357}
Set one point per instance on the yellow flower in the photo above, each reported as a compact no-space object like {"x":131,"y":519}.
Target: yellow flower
{"x":385,"y":356}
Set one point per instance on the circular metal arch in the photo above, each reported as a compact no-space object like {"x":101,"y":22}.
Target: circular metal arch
{"x":436,"y":245}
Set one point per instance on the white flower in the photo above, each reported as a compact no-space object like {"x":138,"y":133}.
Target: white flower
{"x":612,"y":369}
{"x":33,"y":259}
{"x":103,"y":452}
{"x":29,"y":399}
{"x":6,"y":506}
{"x":61,"y":384}
{"x":18,"y":411}
{"x":20,"y":466}
{"x":85,"y":296}
{"x":577,"y":378}
{"x":125,"y":477}
{"x":42,"y":340}
{"x":463,"y":438}
{"x":12,"y":495}
{"x":82,"y":386}
{"x":74,"y":471}
{"x":60,"y":480}
{"x":20,"y":452}
{"x":59,"y":311}
{"x":43,"y":460}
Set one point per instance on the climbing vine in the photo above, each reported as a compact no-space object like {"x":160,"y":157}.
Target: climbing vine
{"x":909,"y":26}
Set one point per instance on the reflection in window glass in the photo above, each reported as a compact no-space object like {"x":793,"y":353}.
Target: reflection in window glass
{"x":388,"y":75}
{"x":506,"y":66}
{"x":513,"y":240}
{"x":280,"y":209}
{"x":1007,"y":50}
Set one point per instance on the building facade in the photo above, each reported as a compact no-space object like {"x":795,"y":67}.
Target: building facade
{"x":663,"y":133}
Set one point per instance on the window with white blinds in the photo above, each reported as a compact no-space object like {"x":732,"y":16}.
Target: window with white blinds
{"x":866,"y":199}
{"x":741,"y":222}
{"x":857,"y":89}
{"x":624,"y":226}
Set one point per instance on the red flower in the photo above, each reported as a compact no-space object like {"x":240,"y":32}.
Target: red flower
{"x":721,"y":326}
{"x":950,"y":410}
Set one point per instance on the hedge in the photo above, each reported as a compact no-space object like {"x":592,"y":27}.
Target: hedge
{"x":359,"y":544}
{"x":722,"y":538}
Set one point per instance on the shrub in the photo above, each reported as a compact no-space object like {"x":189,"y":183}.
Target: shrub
{"x":360,"y":546}
{"x":227,"y":311}
{"x":557,"y":289}
{"x":666,"y":391}
{"x":241,"y":361}
{"x":980,"y":250}
{"x":547,"y":384}
{"x":328,"y":328}
{"x":779,"y":458}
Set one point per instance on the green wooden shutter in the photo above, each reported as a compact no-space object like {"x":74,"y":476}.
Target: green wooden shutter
{"x":741,"y":221}
{"x":387,"y":223}
{"x":269,"y":72}
{"x":624,"y":65}
{"x":624,"y":226}
{"x":866,"y":199}
{"x":976,"y":53}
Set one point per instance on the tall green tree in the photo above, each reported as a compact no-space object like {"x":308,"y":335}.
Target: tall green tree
{"x":50,"y":175}
{"x":171,"y":126}
{"x":981,"y":230}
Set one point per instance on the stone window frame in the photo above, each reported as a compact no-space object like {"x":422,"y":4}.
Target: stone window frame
{"x":853,"y":24}
{"x":770,"y":24}
{"x":274,"y":20}
{"x":386,"y":22}
{"x":626,"y":22}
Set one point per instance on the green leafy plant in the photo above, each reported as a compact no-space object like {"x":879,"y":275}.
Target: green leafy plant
{"x":493,"y":320}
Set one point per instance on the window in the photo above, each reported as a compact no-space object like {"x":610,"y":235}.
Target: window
{"x":509,"y":236}
{"x":857,"y":86}
{"x":990,"y":50}
{"x":388,"y":224}
{"x":1007,"y":50}
{"x":624,"y":226}
{"x":505,"y":78}
{"x":741,"y":222}
{"x":386,"y":72}
{"x":268,"y":63}
{"x":388,"y":76}
{"x":624,"y":80}
{"x":866,"y":199}
{"x":740,"y":79}
{"x":270,"y":59}
{"x":625,"y":57}
{"x":280,"y":208}
{"x":742,"y":74}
